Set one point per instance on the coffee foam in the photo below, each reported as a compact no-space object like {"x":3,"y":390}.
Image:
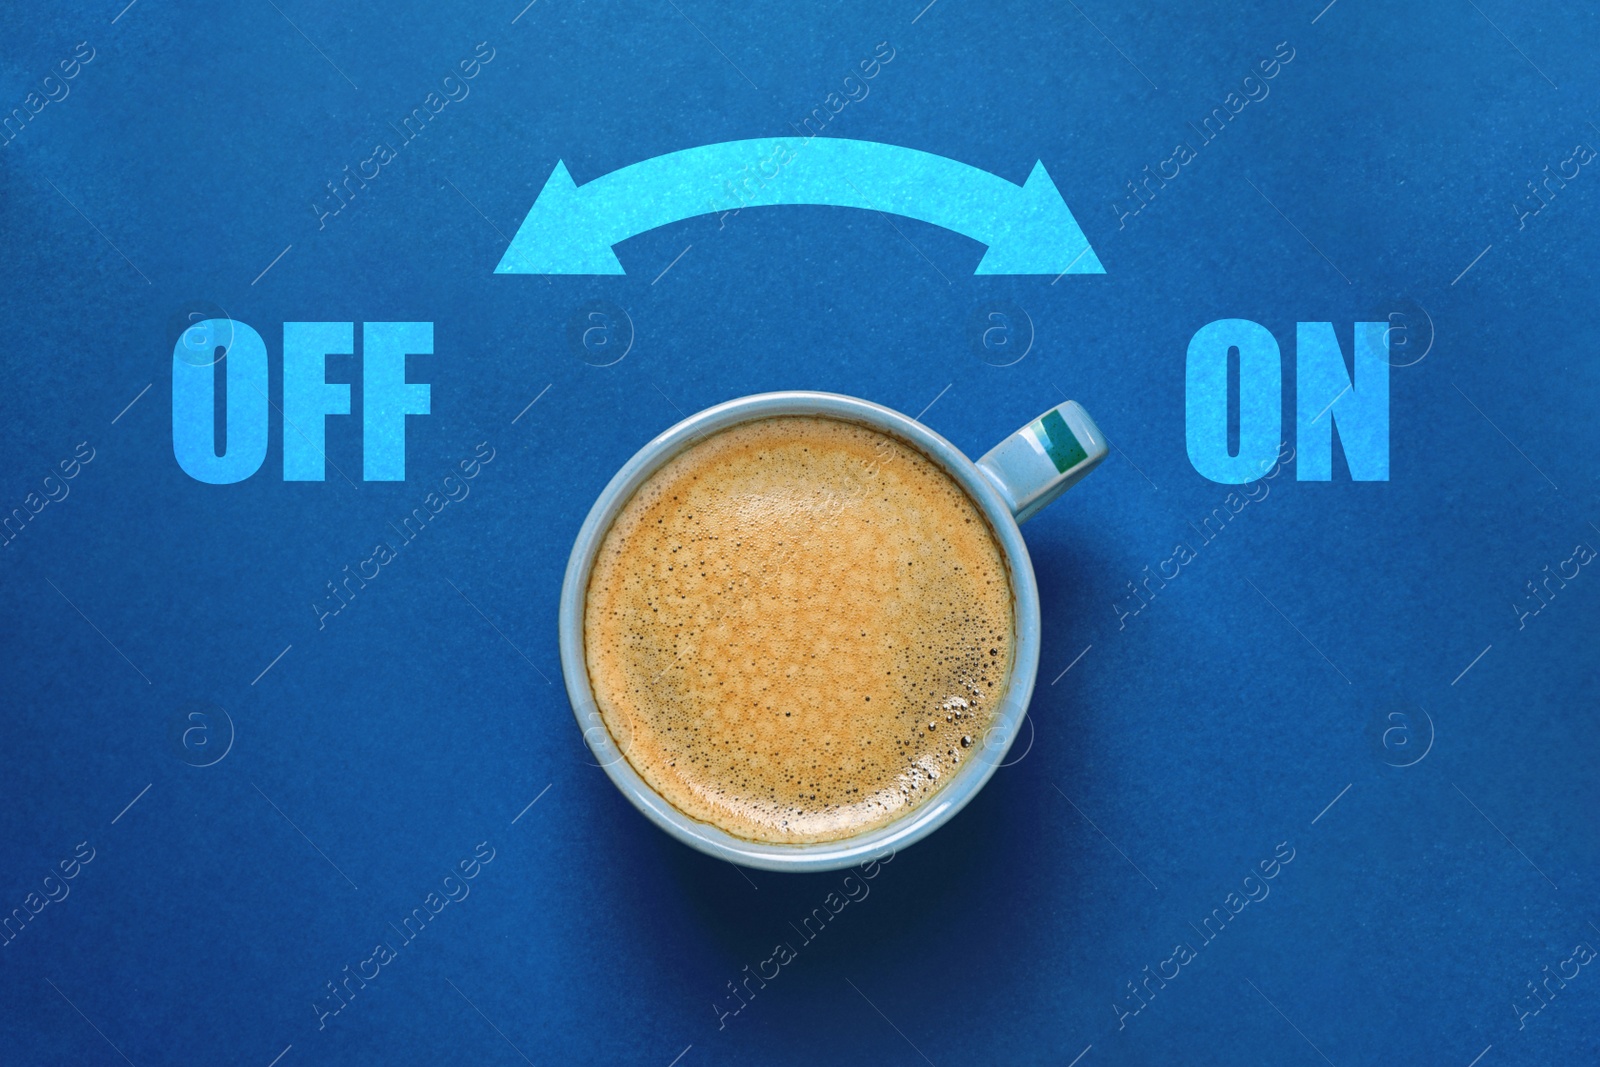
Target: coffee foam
{"x":798,"y":628}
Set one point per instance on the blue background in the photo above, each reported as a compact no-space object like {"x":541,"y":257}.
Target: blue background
{"x":1176,"y":754}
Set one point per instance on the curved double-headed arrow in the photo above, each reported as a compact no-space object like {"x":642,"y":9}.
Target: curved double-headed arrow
{"x":570,"y":228}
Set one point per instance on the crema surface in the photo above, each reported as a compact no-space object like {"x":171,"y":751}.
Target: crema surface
{"x":798,"y":628}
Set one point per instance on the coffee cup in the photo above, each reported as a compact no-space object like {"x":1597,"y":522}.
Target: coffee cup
{"x":1009,"y":484}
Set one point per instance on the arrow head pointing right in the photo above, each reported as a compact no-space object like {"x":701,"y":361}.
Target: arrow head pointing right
{"x":560,"y":235}
{"x":1039,"y":235}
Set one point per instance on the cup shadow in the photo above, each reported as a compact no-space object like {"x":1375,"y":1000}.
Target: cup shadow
{"x":943,"y":891}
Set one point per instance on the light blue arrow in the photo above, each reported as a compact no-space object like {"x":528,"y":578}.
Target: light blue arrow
{"x":570,"y":228}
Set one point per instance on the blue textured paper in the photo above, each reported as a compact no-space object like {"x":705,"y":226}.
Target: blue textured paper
{"x":1385,"y":167}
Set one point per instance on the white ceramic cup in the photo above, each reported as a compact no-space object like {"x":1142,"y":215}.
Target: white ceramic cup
{"x":1010,"y":483}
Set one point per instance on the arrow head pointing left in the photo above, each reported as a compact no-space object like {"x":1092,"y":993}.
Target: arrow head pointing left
{"x":559,"y":236}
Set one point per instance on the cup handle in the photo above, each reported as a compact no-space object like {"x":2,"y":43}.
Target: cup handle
{"x":1045,"y":458}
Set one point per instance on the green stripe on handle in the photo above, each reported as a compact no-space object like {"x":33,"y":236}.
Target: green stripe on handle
{"x":1058,"y":441}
